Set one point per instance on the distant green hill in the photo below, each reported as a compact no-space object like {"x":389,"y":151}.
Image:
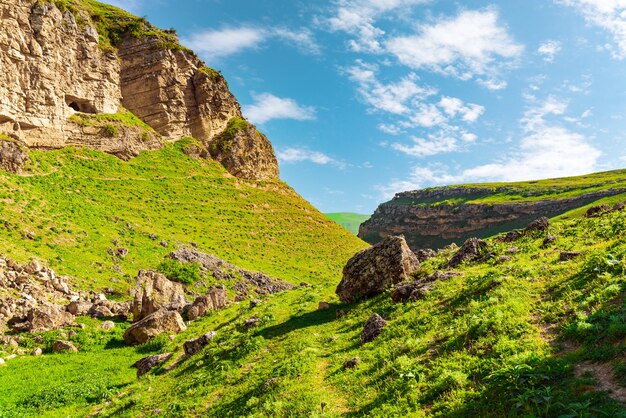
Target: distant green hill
{"x":348,"y":220}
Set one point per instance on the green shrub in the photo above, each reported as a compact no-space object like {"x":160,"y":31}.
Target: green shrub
{"x":110,"y":130}
{"x":187,"y":273}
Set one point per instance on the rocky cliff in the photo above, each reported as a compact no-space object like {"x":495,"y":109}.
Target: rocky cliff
{"x":434,"y":218}
{"x":81,"y":58}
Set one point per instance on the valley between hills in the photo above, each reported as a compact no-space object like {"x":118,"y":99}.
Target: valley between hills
{"x":153,"y":263}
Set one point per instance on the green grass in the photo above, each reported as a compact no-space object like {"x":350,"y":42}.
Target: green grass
{"x":348,"y":220}
{"x":498,"y":340}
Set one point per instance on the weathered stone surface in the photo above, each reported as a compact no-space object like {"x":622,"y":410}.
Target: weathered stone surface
{"x":45,"y":318}
{"x":145,"y":364}
{"x":215,"y":299}
{"x":541,"y":224}
{"x":549,"y":239}
{"x":252,"y":322}
{"x":155,"y":324}
{"x":352,"y":363}
{"x":323,"y":306}
{"x":376,"y":269}
{"x":107,"y":325}
{"x":424,"y":254}
{"x":191,"y":347}
{"x":473,"y":249}
{"x":13,"y":156}
{"x":427,"y":225}
{"x":260,"y":283}
{"x":410,"y":292}
{"x":595,"y":211}
{"x":153,"y":291}
{"x":373,"y":328}
{"x":60,"y":346}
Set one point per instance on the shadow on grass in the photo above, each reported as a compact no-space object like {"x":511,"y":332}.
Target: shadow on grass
{"x":309,"y":319}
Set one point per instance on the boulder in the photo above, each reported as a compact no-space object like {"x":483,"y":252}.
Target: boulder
{"x":46,"y":318}
{"x":107,"y":325}
{"x":410,"y":292}
{"x":78,"y":308}
{"x":511,"y":236}
{"x":473,"y":249}
{"x":322,"y":306}
{"x":373,"y":328}
{"x":424,"y":254}
{"x":60,"y":346}
{"x":598,"y":210}
{"x":153,"y":291}
{"x":541,"y":224}
{"x":254,"y":303}
{"x":191,"y":347}
{"x":550,"y":239}
{"x":252,"y":322}
{"x":36,"y":352}
{"x":155,"y":324}
{"x":148,"y":363}
{"x":618,"y":207}
{"x":215,"y":299}
{"x":376,"y":269}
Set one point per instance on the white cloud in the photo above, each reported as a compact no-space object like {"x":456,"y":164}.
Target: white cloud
{"x":428,"y":116}
{"x":547,"y":150}
{"x":607,"y":14}
{"x":426,"y":147}
{"x":549,"y":50}
{"x":357,"y":18}
{"x":298,"y":155}
{"x":468,"y":45}
{"x":267,"y":107}
{"x":230,"y":40}
{"x":396,"y":98}
{"x":453,"y":106}
{"x":390,"y":129}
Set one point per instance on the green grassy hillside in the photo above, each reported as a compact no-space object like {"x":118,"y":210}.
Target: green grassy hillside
{"x":527,"y":336}
{"x":348,"y":220}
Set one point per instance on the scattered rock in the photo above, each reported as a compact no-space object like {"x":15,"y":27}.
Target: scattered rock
{"x":60,"y":346}
{"x":191,"y":347}
{"x":153,"y":291}
{"x":148,"y":363}
{"x":541,"y":224}
{"x":215,"y":299}
{"x":36,"y":352}
{"x":107,"y":325}
{"x":550,"y":239}
{"x":322,"y":306}
{"x":598,"y":210}
{"x":153,"y":237}
{"x":340,"y":313}
{"x":46,"y":318}
{"x":252,"y":322}
{"x":619,"y":207}
{"x":424,"y":254}
{"x":254,"y":303}
{"x":512,"y":236}
{"x":352,"y":363}
{"x":503,"y":259}
{"x":304,"y":284}
{"x":163,"y":243}
{"x":472,"y":250}
{"x":568,"y":255}
{"x":512,"y":250}
{"x":376,"y":269}
{"x":373,"y":328}
{"x":13,"y":155}
{"x":410,"y":292}
{"x":78,"y":308}
{"x":155,"y":324}
{"x":121,"y":252}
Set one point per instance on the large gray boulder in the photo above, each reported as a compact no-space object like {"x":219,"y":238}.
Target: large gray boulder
{"x":153,"y":291}
{"x":376,"y":269}
{"x":46,"y":318}
{"x":155,"y":324}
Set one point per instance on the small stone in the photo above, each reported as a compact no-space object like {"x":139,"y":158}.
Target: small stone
{"x":373,"y":328}
{"x":252,"y":322}
{"x":254,"y":303}
{"x":568,"y":255}
{"x":163,"y":243}
{"x":352,"y":363}
{"x":146,"y":364}
{"x":153,"y":237}
{"x":322,"y":306}
{"x":192,"y":347}
{"x":340,"y":313}
{"x":60,"y":346}
{"x":36,"y":352}
{"x":550,"y":239}
{"x":540,"y":224}
{"x":472,"y":250}
{"x":304,"y":284}
{"x":107,"y":325}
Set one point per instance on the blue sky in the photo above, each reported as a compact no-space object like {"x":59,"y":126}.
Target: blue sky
{"x":365,"y":98}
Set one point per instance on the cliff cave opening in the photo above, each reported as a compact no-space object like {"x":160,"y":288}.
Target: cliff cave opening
{"x":80,"y":105}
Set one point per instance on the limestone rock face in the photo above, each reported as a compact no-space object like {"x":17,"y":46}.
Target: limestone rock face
{"x":153,"y":291}
{"x":54,"y":70}
{"x":159,"y":322}
{"x":376,"y":269}
{"x":215,"y":299}
{"x":425,"y":224}
{"x":51,"y":67}
{"x":248,"y":154}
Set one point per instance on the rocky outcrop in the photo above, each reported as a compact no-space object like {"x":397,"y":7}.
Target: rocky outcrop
{"x":416,"y":290}
{"x":194,"y":346}
{"x":472,"y":250}
{"x":376,"y":269}
{"x":215,"y":299}
{"x":153,"y":325}
{"x":153,"y":291}
{"x":434,"y":218}
{"x":244,"y":281}
{"x":45,"y":318}
{"x":60,"y":346}
{"x":57,"y":69}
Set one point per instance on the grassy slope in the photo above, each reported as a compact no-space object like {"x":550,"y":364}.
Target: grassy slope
{"x":498,"y":340}
{"x":348,"y":220}
{"x":525,"y":191}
